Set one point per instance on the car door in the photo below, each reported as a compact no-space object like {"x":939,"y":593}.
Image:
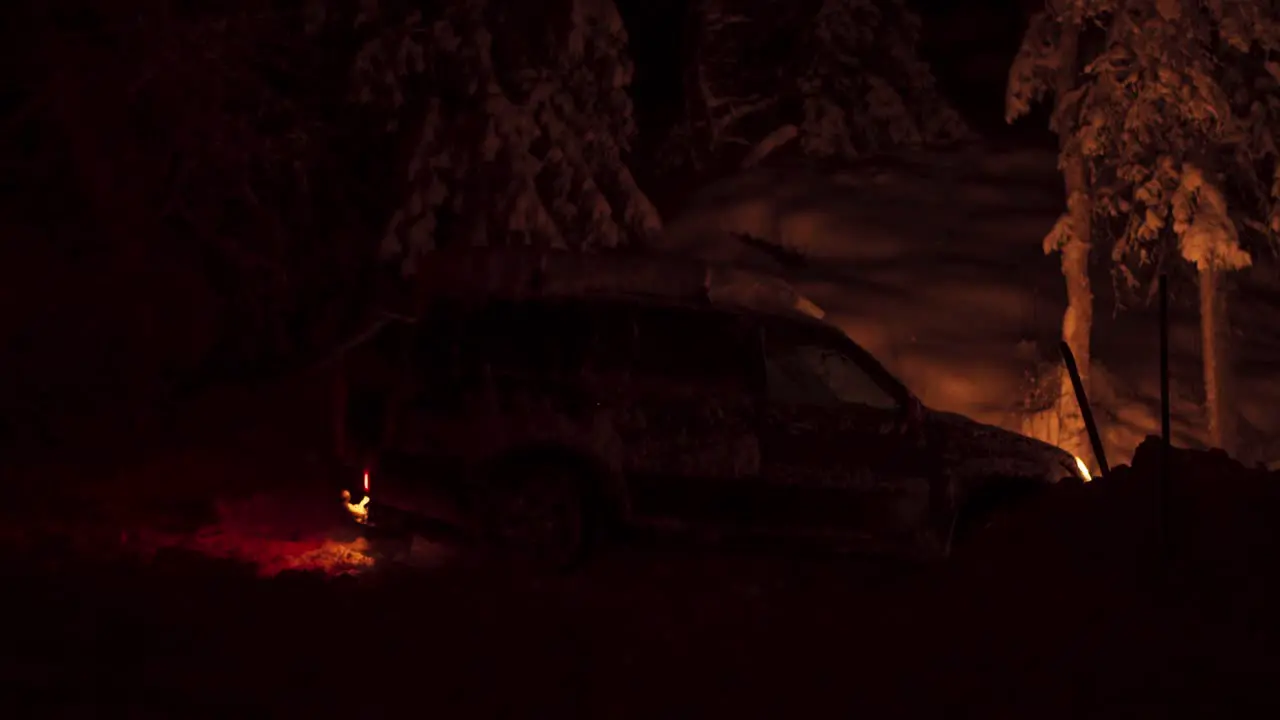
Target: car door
{"x":687,"y":416}
{"x":834,"y":441}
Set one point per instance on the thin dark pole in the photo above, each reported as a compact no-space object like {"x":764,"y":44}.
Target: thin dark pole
{"x":1069,"y":359}
{"x":1166,"y":432}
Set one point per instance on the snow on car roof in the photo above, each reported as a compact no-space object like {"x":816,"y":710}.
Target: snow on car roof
{"x":519,"y":272}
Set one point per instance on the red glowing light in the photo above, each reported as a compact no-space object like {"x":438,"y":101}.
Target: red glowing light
{"x":366,"y":482}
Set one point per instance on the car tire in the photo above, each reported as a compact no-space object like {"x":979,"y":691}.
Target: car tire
{"x":538,"y":512}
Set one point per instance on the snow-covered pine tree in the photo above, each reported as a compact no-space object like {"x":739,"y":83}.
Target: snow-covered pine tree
{"x":519,"y":119}
{"x":832,"y":78}
{"x":1176,"y":120}
{"x":1048,"y":63}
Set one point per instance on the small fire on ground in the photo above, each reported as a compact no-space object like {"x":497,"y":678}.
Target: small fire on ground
{"x":275,"y":534}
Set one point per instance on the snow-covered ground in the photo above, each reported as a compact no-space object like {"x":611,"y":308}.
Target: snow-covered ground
{"x":933,"y":261}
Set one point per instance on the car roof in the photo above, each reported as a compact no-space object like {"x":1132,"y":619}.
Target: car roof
{"x":649,"y":278}
{"x":644,"y":278}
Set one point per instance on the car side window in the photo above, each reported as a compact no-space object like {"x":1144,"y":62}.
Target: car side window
{"x":692,"y":344}
{"x":808,"y":371}
{"x":508,"y":336}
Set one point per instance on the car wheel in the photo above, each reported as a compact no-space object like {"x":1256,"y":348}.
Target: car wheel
{"x":538,"y":513}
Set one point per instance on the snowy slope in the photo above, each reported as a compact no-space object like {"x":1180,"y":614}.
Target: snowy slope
{"x":933,"y":261}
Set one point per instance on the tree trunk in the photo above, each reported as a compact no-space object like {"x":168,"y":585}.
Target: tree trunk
{"x":1214,"y":324}
{"x":1077,"y":322}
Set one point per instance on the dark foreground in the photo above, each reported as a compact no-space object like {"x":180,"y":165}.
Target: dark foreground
{"x":1069,"y":610}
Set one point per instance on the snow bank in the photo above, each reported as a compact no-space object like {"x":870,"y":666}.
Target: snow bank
{"x":939,"y":249}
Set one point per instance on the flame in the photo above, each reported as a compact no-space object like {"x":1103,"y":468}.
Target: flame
{"x":366,"y":482}
{"x":360,"y":510}
{"x":1080,"y":465}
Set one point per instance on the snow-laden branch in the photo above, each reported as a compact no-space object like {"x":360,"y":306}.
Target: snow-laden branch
{"x":737,"y":112}
{"x":771,"y":142}
{"x":547,"y":167}
{"x":819,"y":84}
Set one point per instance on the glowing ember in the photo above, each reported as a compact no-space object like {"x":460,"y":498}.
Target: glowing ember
{"x":332,"y":557}
{"x":273,"y":556}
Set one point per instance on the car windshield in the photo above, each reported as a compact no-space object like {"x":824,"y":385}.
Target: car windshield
{"x":821,"y":375}
{"x":817,"y":364}
{"x":868,"y":361}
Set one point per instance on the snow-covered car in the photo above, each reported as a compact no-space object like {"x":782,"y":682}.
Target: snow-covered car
{"x":546,"y":399}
